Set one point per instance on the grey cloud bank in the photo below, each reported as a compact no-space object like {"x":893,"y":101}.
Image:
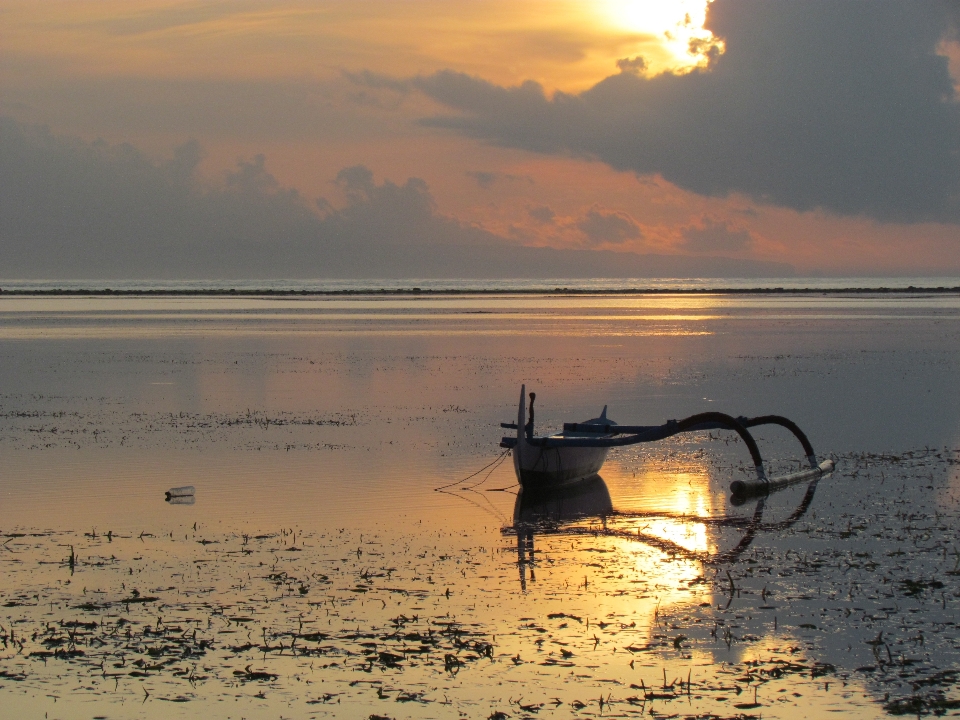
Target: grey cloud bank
{"x":840,"y":105}
{"x":75,"y":209}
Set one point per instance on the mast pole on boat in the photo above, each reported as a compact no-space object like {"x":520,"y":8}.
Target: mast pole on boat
{"x":533,"y":396}
{"x":521,"y":423}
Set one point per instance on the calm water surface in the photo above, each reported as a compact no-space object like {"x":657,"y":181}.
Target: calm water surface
{"x":318,"y":572}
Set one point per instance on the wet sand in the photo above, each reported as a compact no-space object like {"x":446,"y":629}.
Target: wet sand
{"x":318,"y":573}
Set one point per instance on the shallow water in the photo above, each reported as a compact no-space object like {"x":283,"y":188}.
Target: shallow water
{"x":487,"y":285}
{"x":325,"y":425}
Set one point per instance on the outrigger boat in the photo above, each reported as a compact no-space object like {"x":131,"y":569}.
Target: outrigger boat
{"x":580,"y":449}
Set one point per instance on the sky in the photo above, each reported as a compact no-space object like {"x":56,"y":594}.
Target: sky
{"x":479,"y":138}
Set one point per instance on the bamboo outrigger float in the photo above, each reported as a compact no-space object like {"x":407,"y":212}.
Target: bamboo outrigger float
{"x":580,"y":449}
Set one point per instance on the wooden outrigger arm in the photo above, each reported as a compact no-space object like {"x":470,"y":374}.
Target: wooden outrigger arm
{"x":621,"y":435}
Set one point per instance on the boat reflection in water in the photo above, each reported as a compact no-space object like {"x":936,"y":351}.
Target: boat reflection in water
{"x":547,"y":510}
{"x":563,"y":510}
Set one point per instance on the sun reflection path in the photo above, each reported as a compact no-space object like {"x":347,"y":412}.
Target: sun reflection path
{"x":688,"y":495}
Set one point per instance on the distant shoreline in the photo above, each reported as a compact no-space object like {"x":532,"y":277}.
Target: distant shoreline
{"x":268,"y":292}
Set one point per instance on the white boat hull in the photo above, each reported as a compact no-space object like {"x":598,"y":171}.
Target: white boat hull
{"x":539,"y":467}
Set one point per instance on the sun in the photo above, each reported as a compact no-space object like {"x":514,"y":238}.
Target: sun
{"x":677,"y":24}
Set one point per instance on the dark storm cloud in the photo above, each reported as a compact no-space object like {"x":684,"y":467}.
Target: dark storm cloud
{"x":842,"y":105}
{"x":70,"y":209}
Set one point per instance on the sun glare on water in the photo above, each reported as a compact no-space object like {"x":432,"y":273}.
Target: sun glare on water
{"x":679,"y":25}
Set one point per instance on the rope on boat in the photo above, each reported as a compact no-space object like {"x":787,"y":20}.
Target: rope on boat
{"x":486,"y":477}
{"x":490,"y":465}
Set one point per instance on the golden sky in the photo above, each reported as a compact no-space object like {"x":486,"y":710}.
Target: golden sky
{"x":317,"y":86}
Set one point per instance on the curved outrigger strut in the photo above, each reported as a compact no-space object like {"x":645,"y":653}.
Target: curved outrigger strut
{"x":601,"y":433}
